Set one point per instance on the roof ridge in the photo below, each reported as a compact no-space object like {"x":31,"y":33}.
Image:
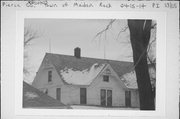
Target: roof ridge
{"x":90,"y":58}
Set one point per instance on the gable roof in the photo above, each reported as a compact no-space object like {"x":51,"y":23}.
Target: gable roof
{"x":66,"y":63}
{"x":81,"y":77}
{"x":33,"y":98}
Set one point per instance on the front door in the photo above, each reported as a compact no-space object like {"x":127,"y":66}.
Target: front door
{"x":103,"y":97}
{"x":106,"y":97}
{"x":109,"y":98}
{"x":128,"y":98}
{"x":58,"y":94}
{"x":82,"y":95}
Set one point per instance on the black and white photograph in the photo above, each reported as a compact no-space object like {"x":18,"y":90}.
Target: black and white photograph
{"x":90,"y":59}
{"x":97,"y":64}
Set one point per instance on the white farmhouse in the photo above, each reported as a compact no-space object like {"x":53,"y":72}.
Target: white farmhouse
{"x":76,"y":80}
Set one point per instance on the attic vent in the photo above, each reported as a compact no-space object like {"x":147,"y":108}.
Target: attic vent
{"x":77,"y":52}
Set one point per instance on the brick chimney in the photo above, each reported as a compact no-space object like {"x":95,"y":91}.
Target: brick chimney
{"x":77,"y":52}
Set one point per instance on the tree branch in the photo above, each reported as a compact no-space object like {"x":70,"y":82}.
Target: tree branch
{"x":29,"y":35}
{"x":122,"y":30}
{"x":104,"y":30}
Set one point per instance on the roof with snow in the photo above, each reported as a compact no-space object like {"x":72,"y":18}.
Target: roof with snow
{"x":82,"y":71}
{"x":33,"y":98}
{"x":84,"y":67}
{"x":81,"y":77}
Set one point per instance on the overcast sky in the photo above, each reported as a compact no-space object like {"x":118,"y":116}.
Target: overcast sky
{"x":61,"y":36}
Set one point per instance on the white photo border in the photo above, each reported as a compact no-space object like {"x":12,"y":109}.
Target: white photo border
{"x":160,"y":18}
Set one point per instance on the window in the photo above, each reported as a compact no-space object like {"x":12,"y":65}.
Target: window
{"x":49,"y":76}
{"x":105,"y":78}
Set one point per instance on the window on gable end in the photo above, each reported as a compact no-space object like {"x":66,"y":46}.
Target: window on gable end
{"x":105,"y":78}
{"x":49,"y":76}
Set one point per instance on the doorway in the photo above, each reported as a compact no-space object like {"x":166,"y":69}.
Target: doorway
{"x":106,"y":97}
{"x":58,"y":94}
{"x":82,"y":96}
{"x":128,"y":98}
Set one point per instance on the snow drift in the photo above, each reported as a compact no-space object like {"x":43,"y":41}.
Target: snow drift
{"x":84,"y":77}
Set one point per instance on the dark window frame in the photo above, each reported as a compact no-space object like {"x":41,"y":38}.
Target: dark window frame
{"x":106,"y":78}
{"x":49,"y":76}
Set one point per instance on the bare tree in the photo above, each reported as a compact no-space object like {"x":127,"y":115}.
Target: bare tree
{"x":140,"y":32}
{"x":29,"y":36}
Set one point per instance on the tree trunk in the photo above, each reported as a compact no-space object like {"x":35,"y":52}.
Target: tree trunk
{"x":140,"y":31}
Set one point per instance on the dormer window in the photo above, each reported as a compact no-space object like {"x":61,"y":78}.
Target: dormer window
{"x":49,"y":76}
{"x":105,"y":78}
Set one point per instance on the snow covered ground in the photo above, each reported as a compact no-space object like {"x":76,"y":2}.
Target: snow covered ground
{"x":101,"y":108}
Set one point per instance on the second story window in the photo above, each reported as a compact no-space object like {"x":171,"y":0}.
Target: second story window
{"x":105,"y":78}
{"x":49,"y":76}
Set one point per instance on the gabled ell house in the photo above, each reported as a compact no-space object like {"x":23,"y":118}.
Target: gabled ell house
{"x":76,"y":80}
